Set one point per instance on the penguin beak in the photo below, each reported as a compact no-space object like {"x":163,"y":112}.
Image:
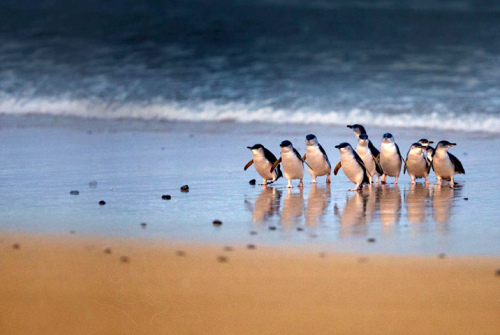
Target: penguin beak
{"x":337,"y":146}
{"x":348,"y":126}
{"x":430,"y":142}
{"x":452,"y":144}
{"x":249,"y":148}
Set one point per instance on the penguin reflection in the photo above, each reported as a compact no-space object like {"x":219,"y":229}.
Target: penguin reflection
{"x":390,"y":205}
{"x":358,"y":212}
{"x":293,"y":208}
{"x":416,"y":203}
{"x":442,"y":202}
{"x":267,"y":204}
{"x":317,"y":204}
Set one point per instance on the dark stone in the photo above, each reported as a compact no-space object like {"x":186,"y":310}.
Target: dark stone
{"x":498,"y":272}
{"x":371,"y":240}
{"x":362,"y":259}
{"x":228,"y":248}
{"x":143,"y":225}
{"x":300,"y":229}
{"x":16,"y":246}
{"x":93,"y":184}
{"x":252,"y":182}
{"x":272,"y":228}
{"x":102,"y":202}
{"x":217,"y":222}
{"x":180,"y":253}
{"x":74,"y":192}
{"x":222,"y":259}
{"x":72,"y":232}
{"x":442,"y":255}
{"x":253,"y":232}
{"x":185,"y":188}
{"x":107,"y":251}
{"x":322,"y":255}
{"x":124,"y":259}
{"x":166,"y":197}
{"x":466,"y":199}
{"x":251,"y":246}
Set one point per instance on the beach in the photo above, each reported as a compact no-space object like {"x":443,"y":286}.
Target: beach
{"x":85,"y":285}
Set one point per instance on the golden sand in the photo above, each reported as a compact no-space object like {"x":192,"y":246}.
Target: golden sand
{"x":51,"y":285}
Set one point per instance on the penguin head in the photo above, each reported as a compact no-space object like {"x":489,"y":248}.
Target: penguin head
{"x":416,"y":148}
{"x":286,"y":146}
{"x":357,"y":129}
{"x":388,"y":138}
{"x":344,"y":147}
{"x":363,"y":140}
{"x":257,"y":148}
{"x":445,"y":145}
{"x":425,"y":142}
{"x":311,"y":140}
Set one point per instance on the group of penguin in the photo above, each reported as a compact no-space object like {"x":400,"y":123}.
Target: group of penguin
{"x":362,"y":165}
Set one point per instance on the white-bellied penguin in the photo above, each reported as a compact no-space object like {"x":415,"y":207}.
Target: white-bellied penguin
{"x":263,"y":160}
{"x":416,"y":163}
{"x":352,"y":165}
{"x":293,"y":164}
{"x":316,"y":158}
{"x":444,"y":164}
{"x":368,"y":157}
{"x":428,"y":150}
{"x":360,"y":130}
{"x":390,"y":158}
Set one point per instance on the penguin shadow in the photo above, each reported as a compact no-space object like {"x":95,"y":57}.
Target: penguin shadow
{"x":389,"y":206}
{"x":318,"y":201}
{"x":443,"y":198}
{"x":358,"y":212}
{"x":293,"y":209}
{"x":266,"y":205}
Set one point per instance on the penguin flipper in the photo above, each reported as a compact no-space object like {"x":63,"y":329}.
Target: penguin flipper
{"x":458,"y":165}
{"x":304,"y":158}
{"x":275,"y":164}
{"x":337,"y":168}
{"x":248,"y":165}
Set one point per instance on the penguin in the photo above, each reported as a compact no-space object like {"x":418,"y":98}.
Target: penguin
{"x":390,"y":158}
{"x":416,"y":163}
{"x":293,"y":164}
{"x":444,"y":164}
{"x":360,"y":130}
{"x":317,"y":159}
{"x":352,"y":165}
{"x":263,"y":159}
{"x":428,"y":150}
{"x":368,"y":157}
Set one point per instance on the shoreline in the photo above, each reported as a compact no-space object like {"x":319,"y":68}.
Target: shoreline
{"x":74,"y":285}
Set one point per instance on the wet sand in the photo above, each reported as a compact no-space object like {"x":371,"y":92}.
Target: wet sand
{"x":54,"y":285}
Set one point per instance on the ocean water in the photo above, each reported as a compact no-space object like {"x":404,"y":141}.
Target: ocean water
{"x":416,"y":64}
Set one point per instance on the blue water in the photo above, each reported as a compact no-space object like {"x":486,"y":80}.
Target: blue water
{"x":423,"y":64}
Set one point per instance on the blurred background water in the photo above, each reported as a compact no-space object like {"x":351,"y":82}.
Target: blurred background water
{"x":424,"y":64}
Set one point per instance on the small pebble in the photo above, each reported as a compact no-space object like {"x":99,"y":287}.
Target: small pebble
{"x":252,"y":182}
{"x":166,"y":197}
{"x":253,"y":232}
{"x":74,"y":192}
{"x":251,"y":246}
{"x":228,"y":248}
{"x":16,"y":246}
{"x":498,"y":272}
{"x":93,"y":184}
{"x":107,"y":251}
{"x":102,"y":202}
{"x":222,"y":259}
{"x":441,"y":256}
{"x":124,"y":259}
{"x":143,"y":225}
{"x":466,"y":199}
{"x":371,"y":240}
{"x":272,"y":228}
{"x":185,"y":188}
{"x":72,"y":232}
{"x":180,"y":253}
{"x":322,"y":255}
{"x":300,"y":229}
{"x":217,"y":222}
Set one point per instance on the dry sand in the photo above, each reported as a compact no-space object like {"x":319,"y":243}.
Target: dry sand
{"x":51,"y":285}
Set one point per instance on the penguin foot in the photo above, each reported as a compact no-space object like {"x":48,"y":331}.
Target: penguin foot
{"x":328,"y":179}
{"x":313,"y":181}
{"x":301,"y":184}
{"x":289,"y":186}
